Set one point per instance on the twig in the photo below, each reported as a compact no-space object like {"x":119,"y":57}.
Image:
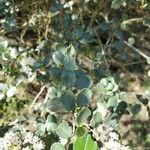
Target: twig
{"x":37,"y":96}
{"x":129,"y":21}
{"x":46,"y":97}
{"x":137,"y":50}
{"x":103,"y":51}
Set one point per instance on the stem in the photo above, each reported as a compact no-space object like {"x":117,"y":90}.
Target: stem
{"x":37,"y":96}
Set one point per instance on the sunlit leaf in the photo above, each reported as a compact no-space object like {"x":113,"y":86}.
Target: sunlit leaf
{"x":85,"y":143}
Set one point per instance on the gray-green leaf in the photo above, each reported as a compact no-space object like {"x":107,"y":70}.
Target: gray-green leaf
{"x":57,"y":146}
{"x":55,"y":73}
{"x":54,"y":105}
{"x":84,"y":97}
{"x":64,"y":131}
{"x":68,"y":78}
{"x":113,"y":101}
{"x":58,"y":57}
{"x":83,"y":80}
{"x":83,"y":115}
{"x":96,"y":119}
{"x":69,"y":63}
{"x":68,"y":100}
{"x":135,"y":109}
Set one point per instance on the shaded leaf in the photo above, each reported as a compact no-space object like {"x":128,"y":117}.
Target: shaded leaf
{"x":84,"y":97}
{"x":54,"y":105}
{"x":122,"y":106}
{"x":135,"y":109}
{"x":69,"y":63}
{"x":83,"y":80}
{"x":68,"y":100}
{"x":55,"y":73}
{"x":80,"y":131}
{"x":68,"y":78}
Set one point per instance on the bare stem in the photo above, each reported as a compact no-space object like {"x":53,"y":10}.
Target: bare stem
{"x":37,"y":96}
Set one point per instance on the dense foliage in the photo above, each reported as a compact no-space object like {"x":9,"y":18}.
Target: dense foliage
{"x":64,"y":72}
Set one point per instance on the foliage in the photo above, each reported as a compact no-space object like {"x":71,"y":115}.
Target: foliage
{"x":70,"y":55}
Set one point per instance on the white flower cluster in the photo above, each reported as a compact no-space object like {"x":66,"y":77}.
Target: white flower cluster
{"x":10,"y":140}
{"x":31,"y":140}
{"x":22,"y":140}
{"x":109,"y":138}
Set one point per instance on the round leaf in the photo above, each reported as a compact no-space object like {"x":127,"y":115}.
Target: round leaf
{"x":83,"y":80}
{"x":80,"y":131}
{"x":135,"y":109}
{"x":55,"y":73}
{"x":57,"y":146}
{"x":84,"y":97}
{"x":68,"y":100}
{"x":64,"y":131}
{"x":54,"y":105}
{"x":58,"y":57}
{"x":68,"y":78}
{"x":122,"y":106}
{"x":69,"y":63}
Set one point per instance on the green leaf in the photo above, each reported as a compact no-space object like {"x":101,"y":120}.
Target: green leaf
{"x":68,"y":78}
{"x":113,"y":101}
{"x":68,"y":100}
{"x":55,"y":73}
{"x":54,"y":105}
{"x":69,"y":63}
{"x":84,"y":97}
{"x":64,"y":131}
{"x":122,"y":106}
{"x":96,"y":119}
{"x":85,"y":143}
{"x":57,"y":146}
{"x":83,"y":115}
{"x":80,"y":131}
{"x":58,"y":57}
{"x":83,"y":80}
{"x":135,"y":109}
